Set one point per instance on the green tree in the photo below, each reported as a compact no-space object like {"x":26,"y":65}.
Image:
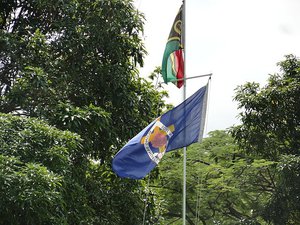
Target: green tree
{"x":35,"y":160}
{"x":74,"y":65}
{"x":224,"y":186}
{"x":271,"y":129}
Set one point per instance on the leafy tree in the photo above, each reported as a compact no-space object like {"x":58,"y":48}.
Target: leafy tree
{"x":224,"y":186}
{"x":34,"y":160}
{"x":271,"y":129}
{"x":74,"y":65}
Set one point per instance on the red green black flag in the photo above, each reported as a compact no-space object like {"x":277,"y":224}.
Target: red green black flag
{"x":172,"y":63}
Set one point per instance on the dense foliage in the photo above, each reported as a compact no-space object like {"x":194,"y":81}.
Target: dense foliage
{"x":44,"y":182}
{"x":224,"y":186}
{"x":73,"y":64}
{"x":35,"y":162}
{"x":271,"y":129}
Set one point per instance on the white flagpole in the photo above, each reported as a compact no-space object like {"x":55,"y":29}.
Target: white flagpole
{"x":184,"y":97}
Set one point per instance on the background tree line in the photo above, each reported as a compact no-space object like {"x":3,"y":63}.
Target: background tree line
{"x":71,"y":97}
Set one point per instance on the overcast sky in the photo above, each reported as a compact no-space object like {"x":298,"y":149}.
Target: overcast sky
{"x":236,"y":40}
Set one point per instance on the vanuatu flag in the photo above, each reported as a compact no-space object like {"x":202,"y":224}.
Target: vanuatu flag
{"x":175,"y":129}
{"x":172,"y":63}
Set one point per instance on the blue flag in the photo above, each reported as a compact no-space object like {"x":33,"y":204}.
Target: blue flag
{"x":175,"y":129}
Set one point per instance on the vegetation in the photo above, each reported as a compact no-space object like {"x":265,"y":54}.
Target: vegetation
{"x":71,"y":96}
{"x":73,"y":64}
{"x":35,"y":161}
{"x":271,"y":129}
{"x":224,"y":186}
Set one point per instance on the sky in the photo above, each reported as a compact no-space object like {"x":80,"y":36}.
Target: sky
{"x":238,"y":41}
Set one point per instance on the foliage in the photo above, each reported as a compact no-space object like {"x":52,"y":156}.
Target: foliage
{"x":271,"y":129}
{"x":224,"y":186}
{"x":29,"y":193}
{"x":34,"y":159}
{"x":74,"y":59}
{"x":44,"y":181}
{"x":74,"y":65}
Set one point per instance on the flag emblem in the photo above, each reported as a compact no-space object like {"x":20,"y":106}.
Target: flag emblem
{"x":156,"y":140}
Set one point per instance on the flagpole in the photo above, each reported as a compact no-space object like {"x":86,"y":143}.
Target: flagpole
{"x":184,"y":98}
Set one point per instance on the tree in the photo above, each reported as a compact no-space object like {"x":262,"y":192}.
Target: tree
{"x":74,"y":65}
{"x":35,"y":159}
{"x":271,"y":129}
{"x":224,"y":186}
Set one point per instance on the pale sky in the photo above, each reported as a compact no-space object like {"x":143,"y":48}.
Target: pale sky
{"x":236,"y":40}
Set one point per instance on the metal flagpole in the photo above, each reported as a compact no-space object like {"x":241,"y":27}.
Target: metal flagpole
{"x":184,"y":97}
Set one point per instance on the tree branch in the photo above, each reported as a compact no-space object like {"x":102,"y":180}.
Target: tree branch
{"x":201,"y":161}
